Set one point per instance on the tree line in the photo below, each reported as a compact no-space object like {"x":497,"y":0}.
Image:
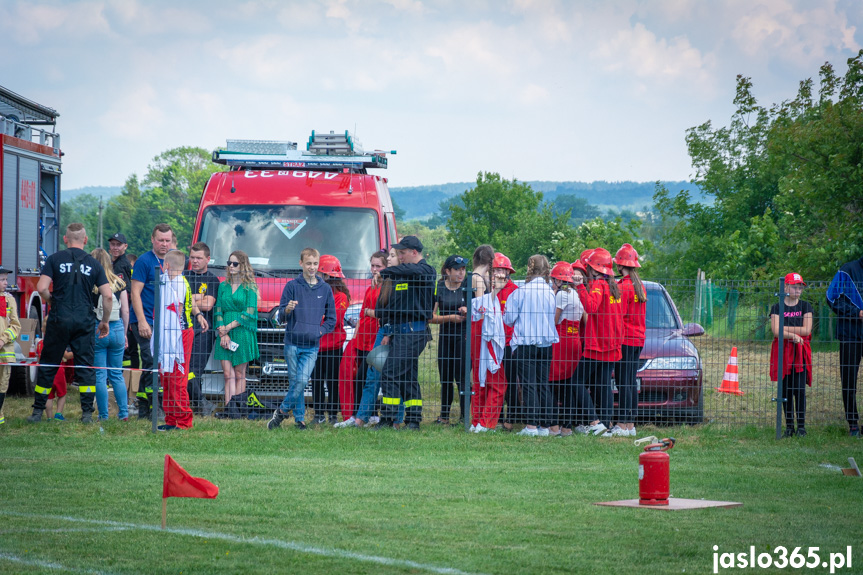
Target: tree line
{"x":783,"y":186}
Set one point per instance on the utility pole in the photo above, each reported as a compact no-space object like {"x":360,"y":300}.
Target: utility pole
{"x":100,"y":223}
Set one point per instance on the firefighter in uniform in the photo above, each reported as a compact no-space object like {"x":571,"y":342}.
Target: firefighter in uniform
{"x":410,"y":307}
{"x":70,"y":323}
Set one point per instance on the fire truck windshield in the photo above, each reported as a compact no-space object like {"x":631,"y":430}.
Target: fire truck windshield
{"x":274,"y":236}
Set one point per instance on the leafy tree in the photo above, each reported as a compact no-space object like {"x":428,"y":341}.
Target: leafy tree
{"x":567,"y":243}
{"x":170,"y":192}
{"x":786,"y":185}
{"x":504,"y":213}
{"x":580,"y":209}
{"x":435,"y":243}
{"x":83,"y":209}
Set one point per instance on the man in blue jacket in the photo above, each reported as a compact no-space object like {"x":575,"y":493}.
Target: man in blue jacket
{"x":845,"y":296}
{"x":309,"y":310}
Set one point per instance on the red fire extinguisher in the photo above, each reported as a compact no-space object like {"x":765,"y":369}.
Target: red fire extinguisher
{"x":653,"y":482}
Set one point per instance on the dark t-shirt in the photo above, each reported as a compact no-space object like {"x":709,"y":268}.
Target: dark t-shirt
{"x":123,"y":270}
{"x":204,"y":284}
{"x":448,"y":301}
{"x":793,"y":315}
{"x":145,"y":272}
{"x":74,"y":274}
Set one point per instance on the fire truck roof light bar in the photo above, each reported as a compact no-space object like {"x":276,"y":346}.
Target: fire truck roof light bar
{"x":260,"y":146}
{"x":324,"y":151}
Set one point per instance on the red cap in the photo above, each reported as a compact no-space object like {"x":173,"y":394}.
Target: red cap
{"x":794,"y":278}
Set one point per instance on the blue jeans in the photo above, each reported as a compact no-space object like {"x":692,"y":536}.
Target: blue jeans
{"x":109,"y":353}
{"x":373,"y":385}
{"x":301,"y":363}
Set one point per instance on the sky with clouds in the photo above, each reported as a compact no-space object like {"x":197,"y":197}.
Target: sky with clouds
{"x":532,"y":89}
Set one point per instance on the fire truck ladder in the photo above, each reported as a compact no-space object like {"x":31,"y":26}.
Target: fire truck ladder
{"x":323,"y":151}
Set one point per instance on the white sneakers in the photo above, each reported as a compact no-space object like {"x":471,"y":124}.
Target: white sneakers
{"x":543,"y":431}
{"x":374,"y":420}
{"x":596,"y":429}
{"x":350,"y":422}
{"x":616,"y":431}
{"x":480,"y":428}
{"x":530,"y":432}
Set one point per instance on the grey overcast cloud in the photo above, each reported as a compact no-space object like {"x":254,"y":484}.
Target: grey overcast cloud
{"x":532,"y":89}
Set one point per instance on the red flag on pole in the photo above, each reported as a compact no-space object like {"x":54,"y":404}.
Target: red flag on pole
{"x":178,"y":483}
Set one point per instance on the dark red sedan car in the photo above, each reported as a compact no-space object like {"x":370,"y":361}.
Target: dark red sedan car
{"x":670,"y":373}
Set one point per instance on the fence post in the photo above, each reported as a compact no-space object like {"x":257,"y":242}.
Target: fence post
{"x":780,"y":392}
{"x":709,"y":303}
{"x":157,"y":326}
{"x":696,"y":304}
{"x":733,"y":299}
{"x":467,"y":286}
{"x":823,"y":322}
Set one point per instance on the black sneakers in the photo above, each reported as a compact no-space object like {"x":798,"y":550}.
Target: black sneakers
{"x":277,"y":419}
{"x":413,"y":426}
{"x":86,"y":418}
{"x":300,"y":425}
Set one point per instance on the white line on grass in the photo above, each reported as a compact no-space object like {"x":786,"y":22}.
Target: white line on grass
{"x":46,"y":564}
{"x":290,"y":545}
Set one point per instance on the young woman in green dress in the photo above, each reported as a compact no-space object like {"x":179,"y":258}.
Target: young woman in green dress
{"x":236,"y":319}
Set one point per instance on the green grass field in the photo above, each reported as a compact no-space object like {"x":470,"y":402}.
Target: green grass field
{"x":79,"y":500}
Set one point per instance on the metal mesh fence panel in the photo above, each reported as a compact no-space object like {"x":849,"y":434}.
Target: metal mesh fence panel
{"x":706,"y":357}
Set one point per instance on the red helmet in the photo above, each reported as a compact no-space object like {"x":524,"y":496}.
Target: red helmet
{"x":584,"y":255}
{"x":562,"y":271}
{"x":331,"y":266}
{"x":627,"y":256}
{"x":578,"y":265}
{"x":600,"y":260}
{"x":501,"y":261}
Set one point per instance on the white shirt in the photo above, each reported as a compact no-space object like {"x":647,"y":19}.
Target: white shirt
{"x":569,"y":304}
{"x":530,"y":311}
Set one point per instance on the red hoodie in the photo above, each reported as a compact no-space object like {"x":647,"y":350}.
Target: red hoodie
{"x":603,"y":335}
{"x":367,"y":328}
{"x":634,"y":314}
{"x":337,"y":337}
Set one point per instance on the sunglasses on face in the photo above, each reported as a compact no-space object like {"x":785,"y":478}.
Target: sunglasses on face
{"x":234,"y":264}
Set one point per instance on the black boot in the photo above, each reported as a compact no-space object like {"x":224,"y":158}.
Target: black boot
{"x":36,"y":417}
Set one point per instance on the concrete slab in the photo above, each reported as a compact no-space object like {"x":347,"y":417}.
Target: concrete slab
{"x":674,"y":504}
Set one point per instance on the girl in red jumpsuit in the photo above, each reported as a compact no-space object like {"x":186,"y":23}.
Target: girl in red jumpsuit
{"x":603,"y":338}
{"x":634,"y":302}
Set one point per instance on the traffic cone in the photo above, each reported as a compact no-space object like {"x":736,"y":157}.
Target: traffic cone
{"x":730,"y":384}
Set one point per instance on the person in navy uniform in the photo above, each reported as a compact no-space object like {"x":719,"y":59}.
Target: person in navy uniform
{"x":74,"y":273}
{"x":410,"y":307}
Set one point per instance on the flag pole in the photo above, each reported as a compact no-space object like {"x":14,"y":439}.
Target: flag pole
{"x":164,"y":511}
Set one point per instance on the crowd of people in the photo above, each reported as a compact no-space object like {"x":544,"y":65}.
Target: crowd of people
{"x":545,"y":354}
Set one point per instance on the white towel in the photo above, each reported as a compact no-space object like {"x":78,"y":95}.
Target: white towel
{"x":173,"y":299}
{"x":487,"y":309}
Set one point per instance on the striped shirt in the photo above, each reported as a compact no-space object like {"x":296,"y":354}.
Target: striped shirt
{"x":530,"y":311}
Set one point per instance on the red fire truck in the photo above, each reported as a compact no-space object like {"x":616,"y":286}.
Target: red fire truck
{"x":29,"y":203}
{"x":277,"y":200}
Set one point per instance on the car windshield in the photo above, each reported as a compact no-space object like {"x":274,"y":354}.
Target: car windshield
{"x":659,"y":312}
{"x":274,"y":236}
